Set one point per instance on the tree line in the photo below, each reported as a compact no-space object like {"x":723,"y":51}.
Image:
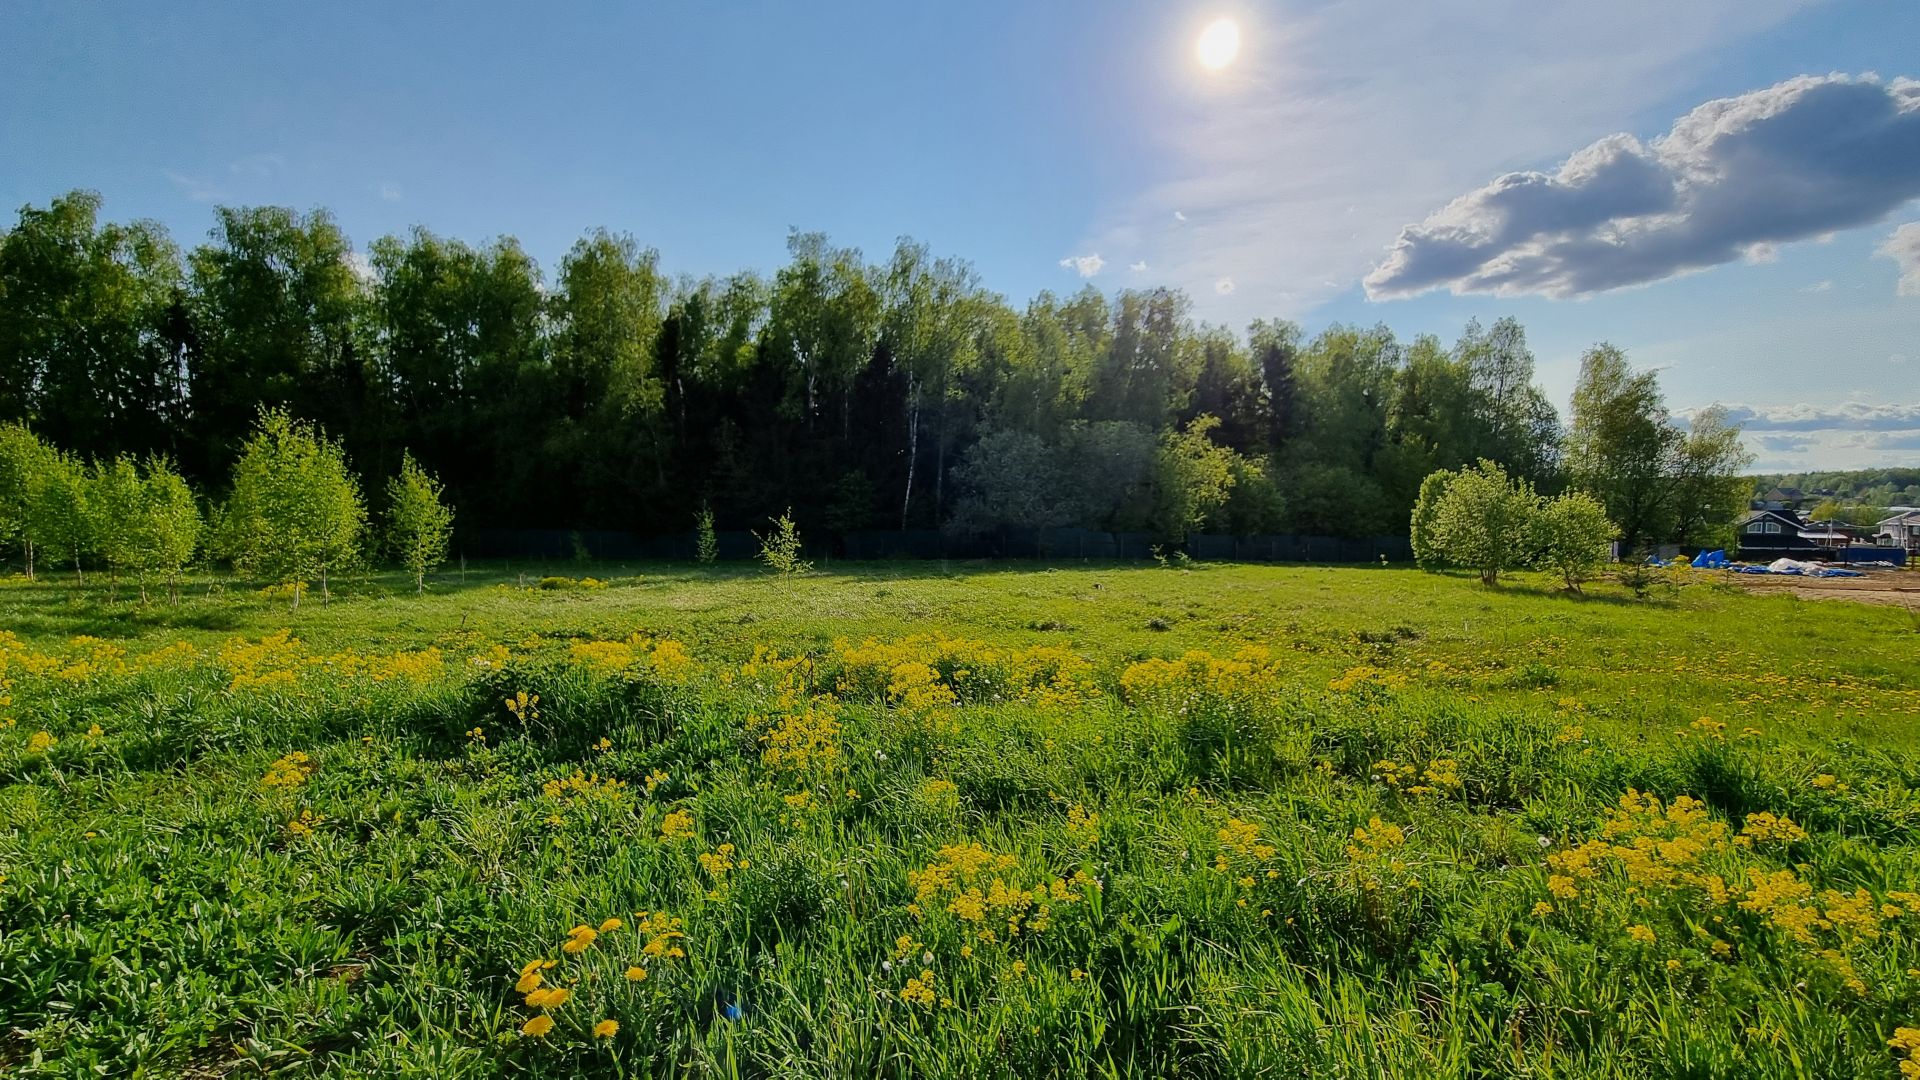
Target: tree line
{"x":889,"y":394}
{"x":292,"y":511}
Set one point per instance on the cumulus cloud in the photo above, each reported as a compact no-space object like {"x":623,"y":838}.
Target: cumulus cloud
{"x":358,"y":263}
{"x":1224,"y":286}
{"x":1139,"y":267}
{"x":1732,"y":179}
{"x":1178,"y":216}
{"x":1903,"y":247}
{"x":1847,"y":416}
{"x":1084,"y":265}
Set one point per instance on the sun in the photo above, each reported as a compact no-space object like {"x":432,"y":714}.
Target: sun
{"x":1219,"y":44}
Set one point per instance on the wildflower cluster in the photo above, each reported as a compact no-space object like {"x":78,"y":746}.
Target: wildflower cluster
{"x":1173,"y":685}
{"x":1674,"y":861}
{"x":923,"y":673}
{"x":290,"y":771}
{"x":661,"y":660}
{"x":1440,"y":776}
{"x":982,"y":891}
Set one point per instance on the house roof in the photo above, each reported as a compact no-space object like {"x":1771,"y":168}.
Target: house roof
{"x":1911,"y":517}
{"x":1778,"y":515}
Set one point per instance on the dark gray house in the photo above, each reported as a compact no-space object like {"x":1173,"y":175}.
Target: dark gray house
{"x":1773,"y":534}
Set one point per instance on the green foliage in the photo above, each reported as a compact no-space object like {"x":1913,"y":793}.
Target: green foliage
{"x":1426,"y":550}
{"x":295,"y":509}
{"x":706,"y":541}
{"x":780,"y":548}
{"x":116,"y":506}
{"x":169,"y":526}
{"x":419,"y":522}
{"x":1484,"y":520}
{"x":893,"y":392}
{"x":23,"y":459}
{"x":1193,"y":478}
{"x":1571,"y":537}
{"x":61,"y":519}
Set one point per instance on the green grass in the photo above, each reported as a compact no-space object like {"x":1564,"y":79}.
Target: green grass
{"x":1214,"y":894}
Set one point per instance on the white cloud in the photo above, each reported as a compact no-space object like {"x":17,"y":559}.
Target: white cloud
{"x":1846,"y":416}
{"x":1903,"y":247}
{"x":1139,"y":267}
{"x":1819,"y":287}
{"x":1224,"y":286}
{"x":1084,"y":265}
{"x":1733,"y":178}
{"x":390,"y":191}
{"x":1266,"y":164}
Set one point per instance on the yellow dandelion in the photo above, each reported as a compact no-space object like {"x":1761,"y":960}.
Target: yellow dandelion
{"x":606,"y":1029}
{"x":537,"y":1026}
{"x":610,"y":926}
{"x":636,"y":974}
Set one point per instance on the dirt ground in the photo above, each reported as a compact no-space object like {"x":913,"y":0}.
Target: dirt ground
{"x":1899,"y":588}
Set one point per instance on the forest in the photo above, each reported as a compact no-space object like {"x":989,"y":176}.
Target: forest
{"x":899,"y":393}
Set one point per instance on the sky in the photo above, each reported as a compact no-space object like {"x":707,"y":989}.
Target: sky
{"x":1729,"y":190}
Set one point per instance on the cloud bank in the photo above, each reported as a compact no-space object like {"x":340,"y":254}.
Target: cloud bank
{"x":1903,"y":247}
{"x":1847,"y":416}
{"x":1732,"y":179}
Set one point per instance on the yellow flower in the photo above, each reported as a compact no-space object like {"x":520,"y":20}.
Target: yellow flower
{"x":1641,"y":934}
{"x":610,"y":926}
{"x":529,"y":982}
{"x":606,"y":1029}
{"x":636,"y":974}
{"x":556,"y":997}
{"x":677,"y":826}
{"x":41,"y":742}
{"x":537,"y":1026}
{"x":1542,"y":909}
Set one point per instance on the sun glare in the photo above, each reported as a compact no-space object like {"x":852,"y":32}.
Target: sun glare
{"x":1219,"y":44}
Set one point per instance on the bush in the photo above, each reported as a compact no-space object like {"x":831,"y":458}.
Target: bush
{"x":1482,"y":520}
{"x":780,"y":549}
{"x":706,"y":541}
{"x":1571,"y":535}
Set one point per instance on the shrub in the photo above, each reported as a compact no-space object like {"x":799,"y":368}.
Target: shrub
{"x":780,"y":548}
{"x":1482,"y":520}
{"x":706,"y":541}
{"x":1571,"y":535}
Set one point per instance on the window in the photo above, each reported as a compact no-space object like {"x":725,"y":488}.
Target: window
{"x":1763,"y":527}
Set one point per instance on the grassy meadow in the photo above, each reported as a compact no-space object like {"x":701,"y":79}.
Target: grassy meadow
{"x":981,"y":821}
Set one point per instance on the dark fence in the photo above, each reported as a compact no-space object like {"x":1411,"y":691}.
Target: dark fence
{"x":1041,"y":544}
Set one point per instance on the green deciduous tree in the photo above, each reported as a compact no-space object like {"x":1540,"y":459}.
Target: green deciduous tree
{"x":115,"y":505}
{"x":61,"y":521}
{"x":1426,"y":547}
{"x":1571,"y":537}
{"x":295,"y":510}
{"x":170,"y":527}
{"x":419,"y":522}
{"x":1483,"y":521}
{"x":22,"y":459}
{"x":1193,"y":478}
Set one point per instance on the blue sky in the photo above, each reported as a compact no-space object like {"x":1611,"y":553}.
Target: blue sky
{"x":1029,"y":138}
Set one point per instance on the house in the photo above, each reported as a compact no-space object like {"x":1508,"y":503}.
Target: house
{"x":1900,"y":531}
{"x":1772,"y":534}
